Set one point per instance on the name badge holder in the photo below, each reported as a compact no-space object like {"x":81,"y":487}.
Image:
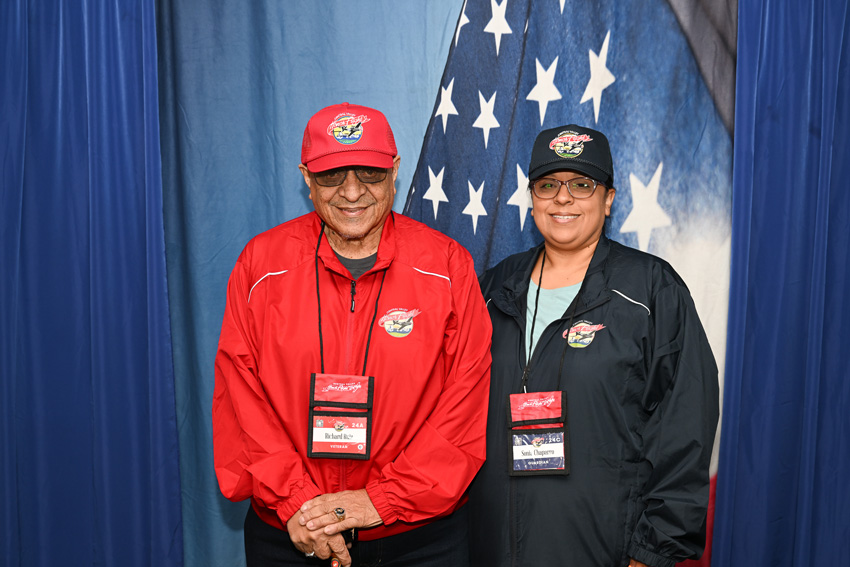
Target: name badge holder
{"x":340,"y":416}
{"x":539,"y":434}
{"x":340,"y":404}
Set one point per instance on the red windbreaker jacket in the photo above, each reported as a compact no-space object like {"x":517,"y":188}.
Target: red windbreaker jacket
{"x":431,"y":384}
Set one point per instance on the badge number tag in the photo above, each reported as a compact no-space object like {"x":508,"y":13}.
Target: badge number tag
{"x":340,"y":416}
{"x":539,"y":434}
{"x":542,"y":451}
{"x":337,"y":434}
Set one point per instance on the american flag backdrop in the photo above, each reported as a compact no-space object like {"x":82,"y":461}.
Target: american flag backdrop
{"x":629,"y":69}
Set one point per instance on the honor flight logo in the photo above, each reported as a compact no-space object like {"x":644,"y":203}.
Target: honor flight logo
{"x":337,"y":387}
{"x":398,"y":322}
{"x":582,"y":334}
{"x":569,"y":144}
{"x":347,"y":129}
{"x":538,"y":403}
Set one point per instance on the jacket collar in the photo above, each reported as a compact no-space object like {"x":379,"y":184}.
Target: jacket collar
{"x":512,"y":298}
{"x":594,"y":289}
{"x":386,"y":247}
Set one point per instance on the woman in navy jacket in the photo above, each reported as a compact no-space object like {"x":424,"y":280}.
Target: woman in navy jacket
{"x":604,"y":393}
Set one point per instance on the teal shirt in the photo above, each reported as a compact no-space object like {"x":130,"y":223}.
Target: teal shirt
{"x":552,"y":305}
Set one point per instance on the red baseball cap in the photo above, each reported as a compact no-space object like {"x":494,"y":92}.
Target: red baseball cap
{"x":345,"y":135}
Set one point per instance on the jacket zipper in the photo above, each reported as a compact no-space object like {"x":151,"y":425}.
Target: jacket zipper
{"x":513,"y":522}
{"x":349,"y":331}
{"x":512,"y":512}
{"x":343,"y":485}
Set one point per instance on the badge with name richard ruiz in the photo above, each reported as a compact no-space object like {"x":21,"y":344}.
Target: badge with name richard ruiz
{"x":340,"y":416}
{"x":339,"y":435}
{"x":539,"y":434}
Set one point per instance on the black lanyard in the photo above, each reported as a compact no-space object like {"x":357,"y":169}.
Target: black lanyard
{"x":526,"y":372}
{"x":319,"y":304}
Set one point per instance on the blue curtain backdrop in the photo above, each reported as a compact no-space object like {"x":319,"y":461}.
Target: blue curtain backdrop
{"x":239,"y":81}
{"x":782,"y":494}
{"x":88,"y":456}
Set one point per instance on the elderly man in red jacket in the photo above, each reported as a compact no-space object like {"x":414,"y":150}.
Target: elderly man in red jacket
{"x":353,"y":369}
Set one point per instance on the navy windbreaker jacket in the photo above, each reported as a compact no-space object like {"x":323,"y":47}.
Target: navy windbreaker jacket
{"x":642,"y":400}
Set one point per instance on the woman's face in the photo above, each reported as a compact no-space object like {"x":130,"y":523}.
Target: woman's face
{"x":571,"y":224}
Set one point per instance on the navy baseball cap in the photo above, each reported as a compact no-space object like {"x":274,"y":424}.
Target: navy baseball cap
{"x":575,"y":148}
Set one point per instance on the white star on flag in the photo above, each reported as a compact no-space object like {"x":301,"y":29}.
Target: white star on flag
{"x":463,"y":21}
{"x":646,"y":212}
{"x":435,"y":192}
{"x":600,"y":77}
{"x":545,"y":91}
{"x":498,"y":25}
{"x":486,"y":120}
{"x":543,"y":78}
{"x":521,"y":197}
{"x":446,"y":107}
{"x":475,"y":208}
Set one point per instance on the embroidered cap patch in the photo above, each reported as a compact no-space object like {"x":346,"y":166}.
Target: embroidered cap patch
{"x":569,"y":144}
{"x":347,"y":129}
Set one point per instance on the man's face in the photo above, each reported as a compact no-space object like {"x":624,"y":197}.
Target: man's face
{"x":353,"y":210}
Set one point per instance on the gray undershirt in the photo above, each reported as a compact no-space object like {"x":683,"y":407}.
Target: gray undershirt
{"x":358,"y":266}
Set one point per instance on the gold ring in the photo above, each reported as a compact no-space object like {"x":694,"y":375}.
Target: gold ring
{"x":340,"y":514}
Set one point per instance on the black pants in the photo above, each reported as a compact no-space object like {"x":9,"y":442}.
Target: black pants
{"x":442,"y":543}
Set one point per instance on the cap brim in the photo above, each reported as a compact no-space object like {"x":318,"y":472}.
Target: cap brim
{"x":580,"y":167}
{"x":365,"y":158}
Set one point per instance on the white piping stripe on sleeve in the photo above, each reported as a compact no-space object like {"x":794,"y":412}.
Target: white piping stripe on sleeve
{"x":432,"y":274}
{"x":627,"y":298}
{"x":261,"y":279}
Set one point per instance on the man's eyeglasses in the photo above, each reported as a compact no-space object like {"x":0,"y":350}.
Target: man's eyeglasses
{"x":548,"y":187}
{"x":335,"y":177}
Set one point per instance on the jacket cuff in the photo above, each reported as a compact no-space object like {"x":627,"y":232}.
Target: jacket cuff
{"x":292,"y":504}
{"x":381,"y":503}
{"x":651,"y":559}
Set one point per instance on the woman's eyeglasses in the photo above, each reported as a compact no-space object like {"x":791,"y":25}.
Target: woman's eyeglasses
{"x":548,"y":187}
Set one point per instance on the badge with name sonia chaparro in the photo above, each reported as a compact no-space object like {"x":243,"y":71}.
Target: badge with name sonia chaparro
{"x":539,"y":434}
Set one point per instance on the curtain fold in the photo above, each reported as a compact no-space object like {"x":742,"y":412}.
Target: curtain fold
{"x":785,"y":454}
{"x":88,"y":443}
{"x":89,"y":456}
